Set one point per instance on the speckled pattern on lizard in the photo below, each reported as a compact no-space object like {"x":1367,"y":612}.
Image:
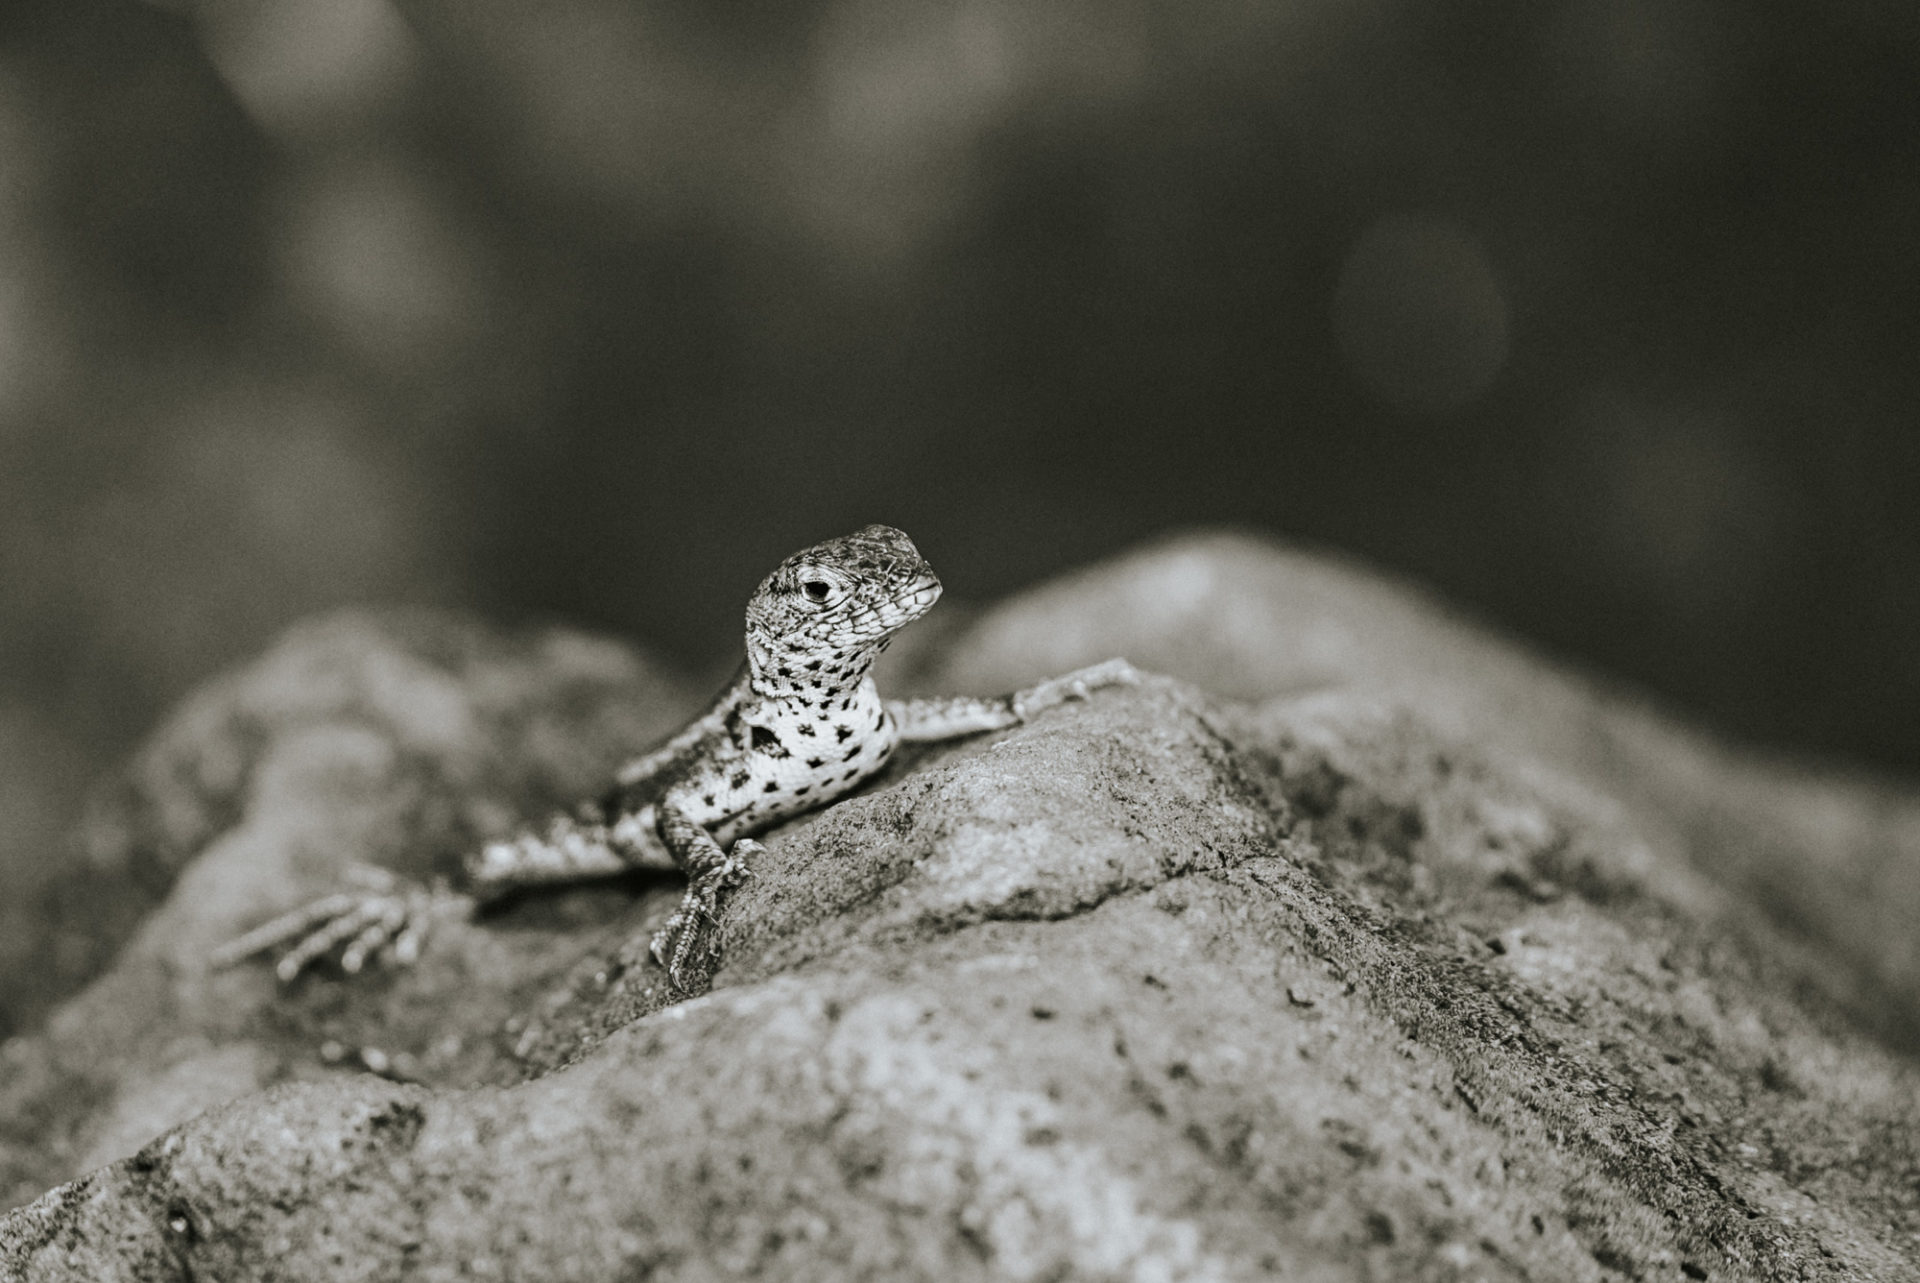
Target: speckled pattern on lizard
{"x":800,"y":725}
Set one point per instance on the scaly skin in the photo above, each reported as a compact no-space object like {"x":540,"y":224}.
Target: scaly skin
{"x":800,"y":725}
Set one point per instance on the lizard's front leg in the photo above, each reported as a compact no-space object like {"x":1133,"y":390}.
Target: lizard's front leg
{"x":711,"y":873}
{"x":922,"y":720}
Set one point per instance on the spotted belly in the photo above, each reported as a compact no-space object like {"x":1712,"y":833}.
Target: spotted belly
{"x":786,"y":771}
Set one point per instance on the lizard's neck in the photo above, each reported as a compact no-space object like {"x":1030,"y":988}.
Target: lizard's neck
{"x":795,"y":671}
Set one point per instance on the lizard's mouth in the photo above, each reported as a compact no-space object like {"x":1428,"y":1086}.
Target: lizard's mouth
{"x":920,"y":597}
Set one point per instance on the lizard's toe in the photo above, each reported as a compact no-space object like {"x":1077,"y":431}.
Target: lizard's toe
{"x":673,"y":944}
{"x":387,"y":919}
{"x":688,"y":933}
{"x":374,"y":937}
{"x":685,"y":920}
{"x":324,"y":939}
{"x":735,"y":869}
{"x":661,"y":946}
{"x":411,"y":940}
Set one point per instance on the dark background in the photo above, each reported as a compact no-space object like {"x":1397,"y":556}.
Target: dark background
{"x":1599,"y":316}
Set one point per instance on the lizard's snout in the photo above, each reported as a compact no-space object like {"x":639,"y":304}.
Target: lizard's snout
{"x":924,"y":591}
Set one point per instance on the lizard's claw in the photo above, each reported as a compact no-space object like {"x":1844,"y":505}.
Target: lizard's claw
{"x":734,"y":870}
{"x":385,"y":916}
{"x":681,"y":936}
{"x":1079,"y":684}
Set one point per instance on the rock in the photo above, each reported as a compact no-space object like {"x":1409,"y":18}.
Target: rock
{"x":402,"y":739}
{"x":484,"y":727}
{"x":1379,"y":958}
{"x":1831,"y":854}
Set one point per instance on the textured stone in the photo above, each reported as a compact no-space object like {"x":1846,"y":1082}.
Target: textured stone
{"x":1382,"y":958}
{"x":398,"y":739}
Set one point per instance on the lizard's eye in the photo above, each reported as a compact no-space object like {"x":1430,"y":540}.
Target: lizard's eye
{"x":817,"y":591}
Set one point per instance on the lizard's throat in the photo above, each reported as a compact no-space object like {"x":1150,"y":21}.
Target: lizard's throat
{"x":781,"y":671}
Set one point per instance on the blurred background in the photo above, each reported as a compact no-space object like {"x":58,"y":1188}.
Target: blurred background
{"x":1598,"y":316}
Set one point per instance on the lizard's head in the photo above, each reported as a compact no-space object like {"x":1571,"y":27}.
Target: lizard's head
{"x":846,"y":594}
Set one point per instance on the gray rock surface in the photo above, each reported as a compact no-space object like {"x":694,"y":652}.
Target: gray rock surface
{"x":1372,"y":949}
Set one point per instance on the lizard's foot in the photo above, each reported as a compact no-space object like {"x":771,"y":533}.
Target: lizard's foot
{"x":385,"y":916}
{"x":688,"y":930}
{"x":1078,"y":684}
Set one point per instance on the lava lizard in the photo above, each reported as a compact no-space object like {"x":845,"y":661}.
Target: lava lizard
{"x":800,"y":725}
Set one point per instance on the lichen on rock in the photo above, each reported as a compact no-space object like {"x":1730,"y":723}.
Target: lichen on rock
{"x":1280,"y":970}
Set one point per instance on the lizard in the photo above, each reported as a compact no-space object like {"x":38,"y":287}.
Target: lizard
{"x":800,"y":725}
